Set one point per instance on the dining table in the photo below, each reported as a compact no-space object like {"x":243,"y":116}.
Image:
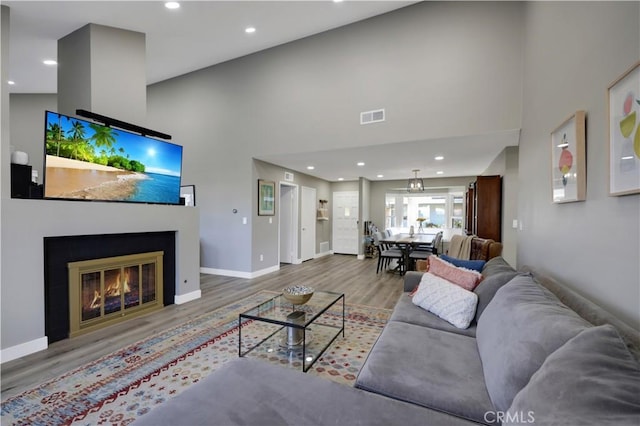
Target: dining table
{"x":406,"y":242}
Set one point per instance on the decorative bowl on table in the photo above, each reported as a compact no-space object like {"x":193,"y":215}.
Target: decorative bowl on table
{"x":297,"y":294}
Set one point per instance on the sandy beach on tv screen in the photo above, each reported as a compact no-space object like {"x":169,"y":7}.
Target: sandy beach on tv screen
{"x":67,"y":178}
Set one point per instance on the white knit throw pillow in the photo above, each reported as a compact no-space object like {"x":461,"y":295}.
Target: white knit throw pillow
{"x":449,"y":301}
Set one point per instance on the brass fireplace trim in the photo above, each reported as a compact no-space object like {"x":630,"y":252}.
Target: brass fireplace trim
{"x":77,"y":269}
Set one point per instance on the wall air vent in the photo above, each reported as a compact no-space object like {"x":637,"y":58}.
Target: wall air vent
{"x":374,"y":116}
{"x":288,"y":176}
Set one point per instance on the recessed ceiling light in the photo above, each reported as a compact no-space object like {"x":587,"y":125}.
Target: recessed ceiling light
{"x":250,"y":30}
{"x":172,"y":5}
{"x":360,"y":164}
{"x":438,"y":158}
{"x":380,"y":176}
{"x":341,"y":179}
{"x":11,"y":82}
{"x":49,"y":62}
{"x":310,"y":167}
{"x":338,"y":1}
{"x":439,"y":172}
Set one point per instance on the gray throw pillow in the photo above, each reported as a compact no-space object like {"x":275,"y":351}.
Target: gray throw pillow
{"x":590,"y":380}
{"x":488,"y":288}
{"x":496,"y":265}
{"x":523,"y":324}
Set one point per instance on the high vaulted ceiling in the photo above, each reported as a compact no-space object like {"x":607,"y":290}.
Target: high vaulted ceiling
{"x":197,"y":35}
{"x":204,"y":33}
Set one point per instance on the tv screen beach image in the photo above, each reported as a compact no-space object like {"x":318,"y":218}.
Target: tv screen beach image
{"x":90,"y":161}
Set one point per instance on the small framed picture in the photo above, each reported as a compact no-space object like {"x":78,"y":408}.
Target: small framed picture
{"x":266,"y":198}
{"x":188,"y":193}
{"x":568,"y":160}
{"x":624,"y":133}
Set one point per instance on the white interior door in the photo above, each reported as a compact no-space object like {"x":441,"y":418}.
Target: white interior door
{"x":345,"y":222}
{"x":288,"y":232}
{"x":307,"y":224}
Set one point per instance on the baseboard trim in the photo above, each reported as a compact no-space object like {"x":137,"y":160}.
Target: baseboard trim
{"x":179,"y":299}
{"x":326,"y":253}
{"x":23,"y":349}
{"x":240,"y":274}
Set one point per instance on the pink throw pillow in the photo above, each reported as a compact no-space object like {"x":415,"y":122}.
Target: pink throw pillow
{"x":465,"y":278}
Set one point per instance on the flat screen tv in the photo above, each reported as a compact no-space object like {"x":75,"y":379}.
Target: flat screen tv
{"x":90,"y":161}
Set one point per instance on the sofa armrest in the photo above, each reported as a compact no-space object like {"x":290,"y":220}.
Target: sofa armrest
{"x":412,"y":279}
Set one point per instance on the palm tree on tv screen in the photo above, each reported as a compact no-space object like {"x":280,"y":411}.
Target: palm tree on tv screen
{"x":54,"y":135}
{"x":77,"y":138}
{"x":103,"y":136}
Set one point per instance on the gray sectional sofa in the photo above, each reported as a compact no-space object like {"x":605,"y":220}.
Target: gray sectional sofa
{"x":535,"y":353}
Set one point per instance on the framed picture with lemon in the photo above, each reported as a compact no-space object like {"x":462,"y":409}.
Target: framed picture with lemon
{"x":568,"y":165}
{"x":624,"y":133}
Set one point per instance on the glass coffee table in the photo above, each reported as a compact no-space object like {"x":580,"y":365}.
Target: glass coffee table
{"x":294,"y":335}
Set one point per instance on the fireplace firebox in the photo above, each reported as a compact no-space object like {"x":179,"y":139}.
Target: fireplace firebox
{"x":60,"y":251}
{"x":109,"y":290}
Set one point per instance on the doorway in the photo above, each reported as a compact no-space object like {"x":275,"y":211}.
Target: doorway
{"x":345,"y":222}
{"x":288,"y":223}
{"x":308,"y":224}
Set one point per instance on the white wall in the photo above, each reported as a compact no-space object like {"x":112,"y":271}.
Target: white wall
{"x":573,"y":51}
{"x":433,"y":66}
{"x":506,"y":165}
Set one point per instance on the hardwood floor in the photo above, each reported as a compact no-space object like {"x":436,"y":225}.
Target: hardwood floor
{"x":357,"y":279}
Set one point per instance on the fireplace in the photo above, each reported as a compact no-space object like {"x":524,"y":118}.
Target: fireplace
{"x":109,"y":290}
{"x":59,"y":252}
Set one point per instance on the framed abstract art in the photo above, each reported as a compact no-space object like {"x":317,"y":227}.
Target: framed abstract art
{"x":624,"y":133}
{"x":568,"y":160}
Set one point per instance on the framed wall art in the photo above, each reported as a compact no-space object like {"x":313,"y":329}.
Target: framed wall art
{"x":188,"y":192}
{"x":266,"y":198}
{"x":568,"y":160}
{"x":624,"y":133}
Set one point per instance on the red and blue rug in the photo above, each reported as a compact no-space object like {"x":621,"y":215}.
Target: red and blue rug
{"x":120,"y":387}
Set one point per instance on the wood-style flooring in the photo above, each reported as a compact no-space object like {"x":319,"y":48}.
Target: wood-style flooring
{"x":357,"y":279}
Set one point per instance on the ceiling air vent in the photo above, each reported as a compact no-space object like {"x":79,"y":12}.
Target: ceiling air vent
{"x":374,"y":116}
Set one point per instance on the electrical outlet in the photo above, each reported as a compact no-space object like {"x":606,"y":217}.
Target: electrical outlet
{"x":261,"y":258}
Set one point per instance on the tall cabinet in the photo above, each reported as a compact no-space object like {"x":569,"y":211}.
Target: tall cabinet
{"x":484,"y":208}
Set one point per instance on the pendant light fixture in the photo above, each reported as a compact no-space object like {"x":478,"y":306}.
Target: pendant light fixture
{"x":415,"y":183}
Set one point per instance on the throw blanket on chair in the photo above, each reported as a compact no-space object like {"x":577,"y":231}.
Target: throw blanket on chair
{"x":460,"y":247}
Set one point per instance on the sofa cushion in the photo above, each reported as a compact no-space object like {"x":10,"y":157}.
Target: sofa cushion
{"x":496,"y":266}
{"x":253,"y":392}
{"x":406,"y":311}
{"x":474,"y":265}
{"x":523,"y":324}
{"x":450,"y":302}
{"x":590,"y":380}
{"x":428,"y":367}
{"x":465,"y":278}
{"x":487,"y":289}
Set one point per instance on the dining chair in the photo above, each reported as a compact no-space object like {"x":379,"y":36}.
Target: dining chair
{"x":423,"y":251}
{"x":386,"y":254}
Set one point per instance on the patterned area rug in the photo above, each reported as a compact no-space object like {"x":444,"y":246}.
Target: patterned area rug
{"x":118,"y":388}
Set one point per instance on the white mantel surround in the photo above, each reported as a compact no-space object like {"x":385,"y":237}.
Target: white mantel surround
{"x":26,"y":222}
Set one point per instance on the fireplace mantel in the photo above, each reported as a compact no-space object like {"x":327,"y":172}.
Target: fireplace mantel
{"x":25,"y":224}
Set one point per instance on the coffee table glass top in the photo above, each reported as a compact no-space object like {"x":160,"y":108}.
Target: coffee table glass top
{"x":278,"y":308}
{"x":295,"y":335}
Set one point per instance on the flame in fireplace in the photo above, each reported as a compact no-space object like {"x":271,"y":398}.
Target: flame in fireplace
{"x":113,"y":289}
